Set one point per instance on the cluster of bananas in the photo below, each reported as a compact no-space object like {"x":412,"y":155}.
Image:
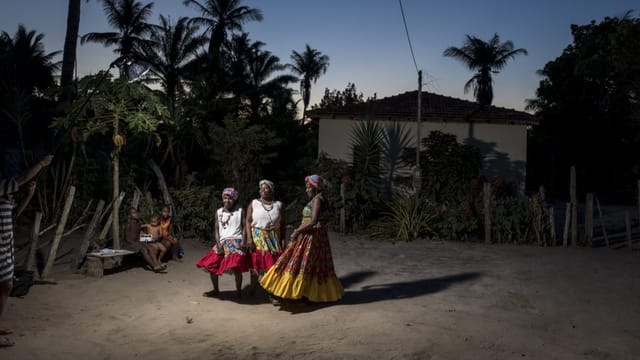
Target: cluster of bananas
{"x":119,"y":141}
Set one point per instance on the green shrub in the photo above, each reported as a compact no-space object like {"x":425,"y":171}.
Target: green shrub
{"x":195,"y":207}
{"x":408,"y":219}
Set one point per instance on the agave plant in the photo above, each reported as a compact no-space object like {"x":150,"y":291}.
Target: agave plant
{"x":408,"y":218}
{"x":366,"y":148}
{"x":396,"y":138}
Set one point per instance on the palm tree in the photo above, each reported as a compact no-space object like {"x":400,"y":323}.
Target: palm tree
{"x":172,"y":54}
{"x":173,"y":47}
{"x":309,"y":65}
{"x":485,"y":58}
{"x":26,"y":72}
{"x":129,"y":18}
{"x":254,"y":77}
{"x":24,"y":61}
{"x":220,"y":16}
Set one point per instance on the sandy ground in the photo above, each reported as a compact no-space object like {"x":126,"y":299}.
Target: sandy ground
{"x":420,"y":300}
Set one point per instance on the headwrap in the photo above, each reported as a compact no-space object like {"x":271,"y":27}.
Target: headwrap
{"x":270,"y":184}
{"x":315,"y":180}
{"x":231,"y":192}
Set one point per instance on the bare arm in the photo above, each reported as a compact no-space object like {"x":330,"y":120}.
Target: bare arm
{"x":216,"y":229}
{"x":247,"y":225}
{"x":34,"y":170}
{"x":26,"y":199}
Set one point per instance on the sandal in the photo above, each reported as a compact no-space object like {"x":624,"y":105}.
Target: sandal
{"x":6,"y":342}
{"x":212,"y":293}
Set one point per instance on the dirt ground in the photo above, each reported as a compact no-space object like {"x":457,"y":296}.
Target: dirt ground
{"x":420,"y":300}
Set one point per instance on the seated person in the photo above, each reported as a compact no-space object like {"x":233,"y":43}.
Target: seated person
{"x":132,"y":241}
{"x":169,"y":240}
{"x":154,"y":229}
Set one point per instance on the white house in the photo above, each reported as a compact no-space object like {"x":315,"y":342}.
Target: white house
{"x":499,"y":133}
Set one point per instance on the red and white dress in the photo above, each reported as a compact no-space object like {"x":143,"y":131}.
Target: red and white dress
{"x":227,"y":256}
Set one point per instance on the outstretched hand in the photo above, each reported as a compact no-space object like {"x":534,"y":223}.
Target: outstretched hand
{"x":46,"y":161}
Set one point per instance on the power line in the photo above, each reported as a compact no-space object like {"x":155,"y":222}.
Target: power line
{"x":406,"y":29}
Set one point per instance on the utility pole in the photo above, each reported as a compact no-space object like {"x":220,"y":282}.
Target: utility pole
{"x":417,"y":180}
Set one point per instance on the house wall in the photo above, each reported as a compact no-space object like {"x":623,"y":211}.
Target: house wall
{"x":503,"y":146}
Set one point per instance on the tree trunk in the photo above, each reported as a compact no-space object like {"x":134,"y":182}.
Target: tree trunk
{"x":115,"y":225}
{"x":70,"y":46}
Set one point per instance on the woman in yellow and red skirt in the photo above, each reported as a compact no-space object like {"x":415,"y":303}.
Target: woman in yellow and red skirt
{"x":305,"y":269}
{"x":266,"y":224}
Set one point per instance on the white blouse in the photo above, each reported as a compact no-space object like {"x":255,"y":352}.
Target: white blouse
{"x":265,"y":216}
{"x":229,"y":223}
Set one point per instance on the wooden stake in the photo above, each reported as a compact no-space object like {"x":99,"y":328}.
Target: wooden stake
{"x":627,"y":225}
{"x":574,"y":207}
{"x":604,"y":229}
{"x":486,"y":189}
{"x":552,"y":227}
{"x":136,"y":199}
{"x":588,"y":220}
{"x":56,"y":239}
{"x":567,"y":224}
{"x":88,"y":235}
{"x":34,"y":237}
{"x":107,"y":225}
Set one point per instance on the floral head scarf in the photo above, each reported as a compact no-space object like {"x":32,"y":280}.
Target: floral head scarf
{"x":315,"y":180}
{"x":231,"y":192}
{"x":270,"y":184}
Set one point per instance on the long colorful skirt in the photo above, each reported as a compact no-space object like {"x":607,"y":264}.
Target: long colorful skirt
{"x":229,"y":259}
{"x":267,"y":249}
{"x":305,"y":270}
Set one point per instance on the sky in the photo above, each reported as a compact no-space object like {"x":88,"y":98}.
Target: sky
{"x":366,"y":40}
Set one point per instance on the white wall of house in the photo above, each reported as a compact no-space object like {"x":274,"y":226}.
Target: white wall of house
{"x":503,"y":146}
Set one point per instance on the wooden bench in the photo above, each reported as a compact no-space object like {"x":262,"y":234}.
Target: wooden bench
{"x":98,"y":261}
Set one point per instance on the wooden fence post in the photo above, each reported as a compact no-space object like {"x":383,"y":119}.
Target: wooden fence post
{"x":574,"y":207}
{"x":136,"y":199}
{"x":88,"y":235}
{"x":588,"y":220}
{"x":343,"y":225}
{"x":627,"y":225}
{"x":567,"y":224}
{"x":604,"y":229}
{"x":107,"y":225}
{"x":552,"y":226}
{"x":35,"y":235}
{"x":638,"y":206}
{"x":56,"y":239}
{"x":486,"y":190}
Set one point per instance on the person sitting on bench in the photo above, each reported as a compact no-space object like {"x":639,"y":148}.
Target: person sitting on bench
{"x":154,"y":229}
{"x":132,"y":241}
{"x":169,"y":240}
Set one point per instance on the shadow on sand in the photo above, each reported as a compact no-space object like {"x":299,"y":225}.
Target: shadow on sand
{"x":380,"y":292}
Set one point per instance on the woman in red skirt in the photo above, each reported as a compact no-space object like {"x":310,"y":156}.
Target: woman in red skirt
{"x":227,"y":255}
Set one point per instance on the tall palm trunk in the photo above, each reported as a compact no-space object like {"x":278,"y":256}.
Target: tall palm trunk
{"x":70,"y":46}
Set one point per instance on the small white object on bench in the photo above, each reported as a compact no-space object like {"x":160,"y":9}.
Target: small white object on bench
{"x":146,"y":238}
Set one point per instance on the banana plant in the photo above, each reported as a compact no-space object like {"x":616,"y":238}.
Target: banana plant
{"x":119,"y":109}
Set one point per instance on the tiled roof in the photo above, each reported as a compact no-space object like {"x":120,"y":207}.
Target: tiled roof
{"x":435,"y":108}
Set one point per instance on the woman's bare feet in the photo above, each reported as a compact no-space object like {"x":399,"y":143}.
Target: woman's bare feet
{"x":212,"y":293}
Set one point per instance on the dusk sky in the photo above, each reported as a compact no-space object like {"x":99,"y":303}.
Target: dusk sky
{"x":366,"y":40}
